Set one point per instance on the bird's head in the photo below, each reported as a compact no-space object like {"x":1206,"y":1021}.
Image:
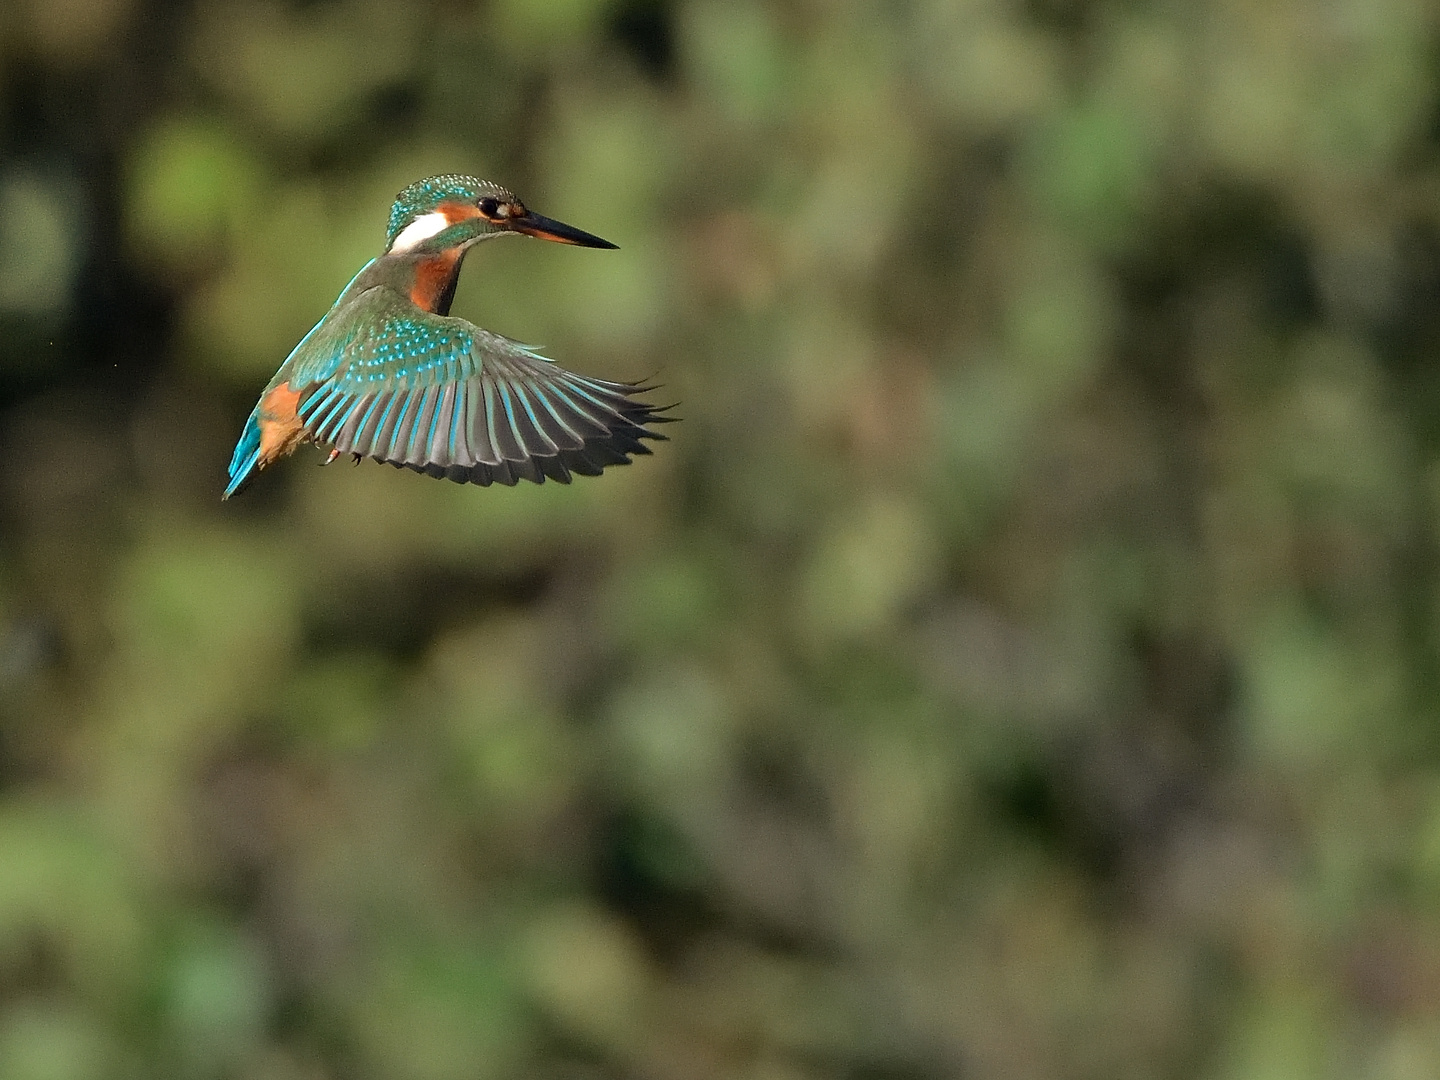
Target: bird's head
{"x":443,"y":213}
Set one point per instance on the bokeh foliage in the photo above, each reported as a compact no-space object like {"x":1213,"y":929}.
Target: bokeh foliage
{"x":1022,"y":663}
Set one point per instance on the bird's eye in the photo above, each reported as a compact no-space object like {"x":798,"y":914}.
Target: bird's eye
{"x":489,"y":206}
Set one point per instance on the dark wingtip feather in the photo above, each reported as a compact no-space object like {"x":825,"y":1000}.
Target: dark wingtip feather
{"x":555,"y":426}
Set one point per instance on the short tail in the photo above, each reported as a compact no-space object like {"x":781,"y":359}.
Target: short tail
{"x":245,"y":458}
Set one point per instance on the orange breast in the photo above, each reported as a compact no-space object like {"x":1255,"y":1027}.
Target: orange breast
{"x":434,"y":280}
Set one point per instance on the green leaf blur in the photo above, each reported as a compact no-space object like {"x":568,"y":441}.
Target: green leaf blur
{"x":1022,"y":663}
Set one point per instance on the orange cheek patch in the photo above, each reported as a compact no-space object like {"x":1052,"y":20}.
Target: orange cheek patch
{"x":456,"y":212}
{"x":279,"y":420}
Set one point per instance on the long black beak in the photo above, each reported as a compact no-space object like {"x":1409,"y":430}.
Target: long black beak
{"x":533,"y":224}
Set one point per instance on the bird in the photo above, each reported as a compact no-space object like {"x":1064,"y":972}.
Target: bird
{"x":387,"y":373}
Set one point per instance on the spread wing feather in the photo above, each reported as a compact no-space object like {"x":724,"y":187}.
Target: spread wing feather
{"x":441,"y":396}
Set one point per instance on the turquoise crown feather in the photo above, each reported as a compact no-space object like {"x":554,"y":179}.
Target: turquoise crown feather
{"x":425,"y":195}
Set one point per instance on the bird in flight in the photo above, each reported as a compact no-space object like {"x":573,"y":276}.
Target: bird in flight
{"x":388,"y":374}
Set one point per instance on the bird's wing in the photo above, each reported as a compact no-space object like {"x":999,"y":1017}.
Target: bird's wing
{"x":441,"y":396}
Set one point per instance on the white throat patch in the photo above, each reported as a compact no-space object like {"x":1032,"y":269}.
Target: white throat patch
{"x":418,"y":231}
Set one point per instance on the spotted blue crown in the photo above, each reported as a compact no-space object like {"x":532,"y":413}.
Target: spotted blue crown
{"x":425,"y":195}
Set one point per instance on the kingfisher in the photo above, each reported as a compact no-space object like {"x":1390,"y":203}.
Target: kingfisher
{"x":387,"y":373}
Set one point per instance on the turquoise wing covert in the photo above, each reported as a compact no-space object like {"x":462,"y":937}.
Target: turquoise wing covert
{"x":441,"y":396}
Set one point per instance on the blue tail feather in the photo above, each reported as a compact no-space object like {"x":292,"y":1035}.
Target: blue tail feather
{"x":246,"y":456}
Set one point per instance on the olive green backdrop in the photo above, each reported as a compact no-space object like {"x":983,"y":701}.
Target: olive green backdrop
{"x":1023,"y":662}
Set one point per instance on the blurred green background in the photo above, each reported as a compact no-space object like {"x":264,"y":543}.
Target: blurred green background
{"x":1024,"y":661}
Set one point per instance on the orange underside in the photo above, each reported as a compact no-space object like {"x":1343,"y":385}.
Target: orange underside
{"x":432,"y":278}
{"x":280,"y":427}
